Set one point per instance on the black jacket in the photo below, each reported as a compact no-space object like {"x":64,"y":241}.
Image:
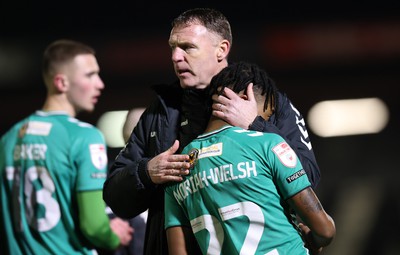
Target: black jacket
{"x":129,"y":190}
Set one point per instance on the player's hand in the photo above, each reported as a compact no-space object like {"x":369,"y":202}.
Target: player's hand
{"x":168,"y":166}
{"x":234,"y":109}
{"x":122,"y":229}
{"x":307,"y":238}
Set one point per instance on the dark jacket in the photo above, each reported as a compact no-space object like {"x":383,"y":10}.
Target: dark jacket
{"x":129,"y":190}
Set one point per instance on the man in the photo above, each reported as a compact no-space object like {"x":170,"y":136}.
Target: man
{"x":237,"y":196}
{"x":53,"y":166}
{"x":200,"y":41}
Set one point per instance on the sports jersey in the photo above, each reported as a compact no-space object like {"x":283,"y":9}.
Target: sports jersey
{"x":234,"y":197}
{"x":45,"y":160}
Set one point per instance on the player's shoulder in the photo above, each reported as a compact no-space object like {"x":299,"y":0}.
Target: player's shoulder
{"x":80,"y":125}
{"x":61,"y":118}
{"x":254,"y":139}
{"x":14,"y":129}
{"x":68,"y":125}
{"x":238,"y":131}
{"x":82,"y":129}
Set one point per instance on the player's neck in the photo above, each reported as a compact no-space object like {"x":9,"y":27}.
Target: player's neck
{"x":56,"y":103}
{"x":214,"y":124}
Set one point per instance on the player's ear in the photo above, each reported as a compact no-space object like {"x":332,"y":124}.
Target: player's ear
{"x":242,"y":95}
{"x":61,"y":82}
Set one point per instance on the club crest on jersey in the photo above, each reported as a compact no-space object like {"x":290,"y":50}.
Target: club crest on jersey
{"x":193,"y":156}
{"x":285,"y":154}
{"x":22,"y":130}
{"x":98,"y":155}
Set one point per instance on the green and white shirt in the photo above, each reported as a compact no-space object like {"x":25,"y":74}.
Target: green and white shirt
{"x":45,"y":160}
{"x":234,"y":197}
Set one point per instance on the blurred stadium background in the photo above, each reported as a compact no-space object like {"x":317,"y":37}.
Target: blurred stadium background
{"x":315,"y":51}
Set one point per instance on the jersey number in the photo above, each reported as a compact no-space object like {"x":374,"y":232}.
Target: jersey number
{"x":209,"y":222}
{"x":41,"y":209}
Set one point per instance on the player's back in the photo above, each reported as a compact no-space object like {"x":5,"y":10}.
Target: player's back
{"x":45,"y":157}
{"x":233,"y":191}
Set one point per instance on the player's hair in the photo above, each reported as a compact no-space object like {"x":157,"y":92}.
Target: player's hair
{"x":60,"y":52}
{"x":237,"y":76}
{"x":211,"y":19}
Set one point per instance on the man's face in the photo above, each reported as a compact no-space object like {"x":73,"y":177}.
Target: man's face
{"x":195,"y":55}
{"x":84,"y":82}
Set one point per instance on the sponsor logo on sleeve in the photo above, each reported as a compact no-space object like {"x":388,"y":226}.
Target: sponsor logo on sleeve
{"x":285,"y":154}
{"x":98,"y":155}
{"x":296,"y":176}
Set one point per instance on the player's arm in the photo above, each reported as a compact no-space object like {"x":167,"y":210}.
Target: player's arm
{"x":180,"y":237}
{"x":310,"y":210}
{"x":181,"y":241}
{"x":94,"y":222}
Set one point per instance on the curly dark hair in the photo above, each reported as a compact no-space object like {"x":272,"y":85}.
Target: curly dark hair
{"x":237,"y":76}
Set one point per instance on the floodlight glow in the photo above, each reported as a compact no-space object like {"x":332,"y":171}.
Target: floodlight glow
{"x":111,"y":124}
{"x":348,"y":117}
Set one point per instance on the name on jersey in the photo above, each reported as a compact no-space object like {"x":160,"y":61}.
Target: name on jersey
{"x":33,"y":151}
{"x":216,"y":175}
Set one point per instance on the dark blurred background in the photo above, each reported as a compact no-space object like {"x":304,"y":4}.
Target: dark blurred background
{"x":315,"y":51}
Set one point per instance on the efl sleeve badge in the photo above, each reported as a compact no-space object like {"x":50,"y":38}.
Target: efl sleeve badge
{"x":98,"y":155}
{"x":285,"y":154}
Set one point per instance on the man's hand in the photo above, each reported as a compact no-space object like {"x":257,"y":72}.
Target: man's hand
{"x":122,"y":229}
{"x":234,"y":109}
{"x":168,"y":166}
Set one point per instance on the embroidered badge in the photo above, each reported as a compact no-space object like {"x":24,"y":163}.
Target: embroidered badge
{"x":22,"y":130}
{"x":285,"y":154}
{"x":98,"y":155}
{"x":193,"y":156}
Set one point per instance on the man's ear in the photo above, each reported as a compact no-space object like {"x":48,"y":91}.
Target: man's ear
{"x":223,"y":50}
{"x":61,"y":82}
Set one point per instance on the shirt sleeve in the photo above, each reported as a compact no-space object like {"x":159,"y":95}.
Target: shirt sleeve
{"x":94,"y":222}
{"x":174,"y":214}
{"x":286,"y":167}
{"x":90,"y":158}
{"x":290,"y":124}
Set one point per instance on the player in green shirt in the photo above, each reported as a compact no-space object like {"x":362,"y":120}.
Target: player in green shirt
{"x":53,"y":166}
{"x":238,"y":195}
